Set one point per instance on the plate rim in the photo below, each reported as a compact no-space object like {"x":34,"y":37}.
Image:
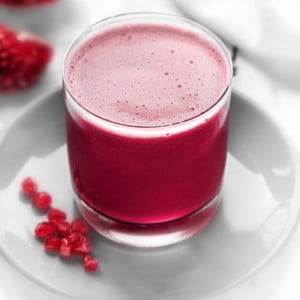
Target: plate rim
{"x":277,"y":124}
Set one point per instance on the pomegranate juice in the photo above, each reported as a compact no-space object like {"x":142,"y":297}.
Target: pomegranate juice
{"x":147,"y":120}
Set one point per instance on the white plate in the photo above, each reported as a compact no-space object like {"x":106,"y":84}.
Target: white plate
{"x":259,"y":209}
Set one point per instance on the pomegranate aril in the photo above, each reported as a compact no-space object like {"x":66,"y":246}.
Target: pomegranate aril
{"x":79,"y":225}
{"x":84,"y":248}
{"x":55,"y":215}
{"x":29,"y":186}
{"x":65,"y":248}
{"x":42,"y":200}
{"x":90,"y":263}
{"x":44,"y":229}
{"x":75,"y":239}
{"x":52,"y":243}
{"x":63,"y":228}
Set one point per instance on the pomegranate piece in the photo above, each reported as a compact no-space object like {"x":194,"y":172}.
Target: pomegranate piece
{"x":90,"y":263}
{"x":25,"y":2}
{"x":42,"y":200}
{"x":23,"y":57}
{"x":28,"y":185}
{"x":56,"y":215}
{"x":44,"y":229}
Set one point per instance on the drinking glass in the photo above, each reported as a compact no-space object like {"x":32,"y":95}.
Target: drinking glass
{"x":147,"y":186}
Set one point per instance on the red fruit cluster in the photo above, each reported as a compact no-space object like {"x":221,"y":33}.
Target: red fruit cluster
{"x":26,"y":2}
{"x":57,"y":234}
{"x":23,"y":57}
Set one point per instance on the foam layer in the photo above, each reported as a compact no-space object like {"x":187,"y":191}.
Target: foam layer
{"x":147,"y":75}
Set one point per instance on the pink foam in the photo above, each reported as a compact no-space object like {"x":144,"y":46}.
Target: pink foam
{"x":147,"y":75}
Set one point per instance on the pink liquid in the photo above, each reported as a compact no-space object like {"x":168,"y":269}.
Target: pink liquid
{"x":148,"y":77}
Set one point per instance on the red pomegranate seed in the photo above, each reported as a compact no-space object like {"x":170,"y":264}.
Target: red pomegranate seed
{"x":75,"y":239}
{"x":84,"y":248}
{"x":52,"y":243}
{"x":55,"y":215}
{"x":90,"y":263}
{"x":61,"y":236}
{"x":79,"y":225}
{"x":29,"y":186}
{"x":44,"y":229}
{"x":42,"y":200}
{"x":63,"y":228}
{"x":65,"y":248}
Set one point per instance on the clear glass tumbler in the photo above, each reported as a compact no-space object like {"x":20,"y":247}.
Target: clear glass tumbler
{"x":146,"y":134}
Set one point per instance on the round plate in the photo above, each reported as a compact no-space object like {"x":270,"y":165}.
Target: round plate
{"x":259,"y":208}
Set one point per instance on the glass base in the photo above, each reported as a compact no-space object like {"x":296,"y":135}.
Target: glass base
{"x":149,"y":235}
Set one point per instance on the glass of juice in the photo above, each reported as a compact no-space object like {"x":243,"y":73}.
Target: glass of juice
{"x":147,"y":108}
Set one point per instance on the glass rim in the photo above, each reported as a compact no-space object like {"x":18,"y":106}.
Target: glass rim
{"x":173,"y":17}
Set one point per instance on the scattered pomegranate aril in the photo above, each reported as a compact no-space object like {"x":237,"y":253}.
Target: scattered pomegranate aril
{"x":90,"y":263}
{"x":52,"y":243}
{"x":29,"y":186}
{"x":42,"y":200}
{"x":84,"y":248}
{"x":63,"y":228}
{"x":56,"y":215}
{"x":65,"y":248}
{"x":75,"y":239}
{"x":79,"y":225}
{"x":44,"y":229}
